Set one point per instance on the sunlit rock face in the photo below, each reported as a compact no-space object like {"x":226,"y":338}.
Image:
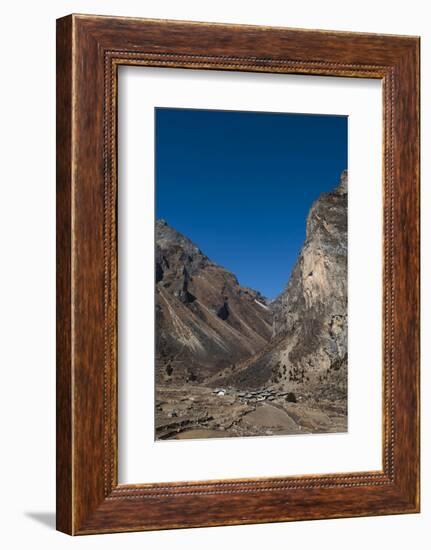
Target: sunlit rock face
{"x":313,"y":308}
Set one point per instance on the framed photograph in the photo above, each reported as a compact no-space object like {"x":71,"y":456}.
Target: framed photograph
{"x":237,"y":274}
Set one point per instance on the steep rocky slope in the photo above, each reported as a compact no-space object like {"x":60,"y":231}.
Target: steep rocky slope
{"x":308,"y":349}
{"x":205,"y":321}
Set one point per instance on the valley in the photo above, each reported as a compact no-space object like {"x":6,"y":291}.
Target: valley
{"x":231,"y":363}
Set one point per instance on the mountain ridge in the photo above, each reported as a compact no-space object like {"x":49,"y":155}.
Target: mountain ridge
{"x":203,"y":316}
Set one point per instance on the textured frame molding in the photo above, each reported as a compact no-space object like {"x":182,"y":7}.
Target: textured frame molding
{"x":90,"y":49}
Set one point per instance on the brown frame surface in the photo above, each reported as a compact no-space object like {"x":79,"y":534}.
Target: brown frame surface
{"x":89,"y":51}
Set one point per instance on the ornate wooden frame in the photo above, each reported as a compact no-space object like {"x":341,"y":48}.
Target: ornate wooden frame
{"x":89,"y":51}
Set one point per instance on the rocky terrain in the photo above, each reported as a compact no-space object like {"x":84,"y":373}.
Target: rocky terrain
{"x":228,"y":363}
{"x":205,"y":321}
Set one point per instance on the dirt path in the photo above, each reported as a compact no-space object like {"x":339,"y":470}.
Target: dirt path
{"x":199,"y":434}
{"x":270,"y":417}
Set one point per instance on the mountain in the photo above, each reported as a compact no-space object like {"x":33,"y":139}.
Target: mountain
{"x":308,"y":349}
{"x":205,"y":321}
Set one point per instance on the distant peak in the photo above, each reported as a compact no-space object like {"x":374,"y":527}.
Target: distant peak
{"x":166,"y":236}
{"x":164,"y":230}
{"x":342,"y":186}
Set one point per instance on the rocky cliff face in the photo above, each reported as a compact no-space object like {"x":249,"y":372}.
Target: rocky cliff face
{"x":205,"y":321}
{"x":308,"y":349}
{"x":313,"y":308}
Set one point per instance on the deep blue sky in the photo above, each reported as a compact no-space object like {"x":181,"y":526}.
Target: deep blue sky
{"x":240,"y":184}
